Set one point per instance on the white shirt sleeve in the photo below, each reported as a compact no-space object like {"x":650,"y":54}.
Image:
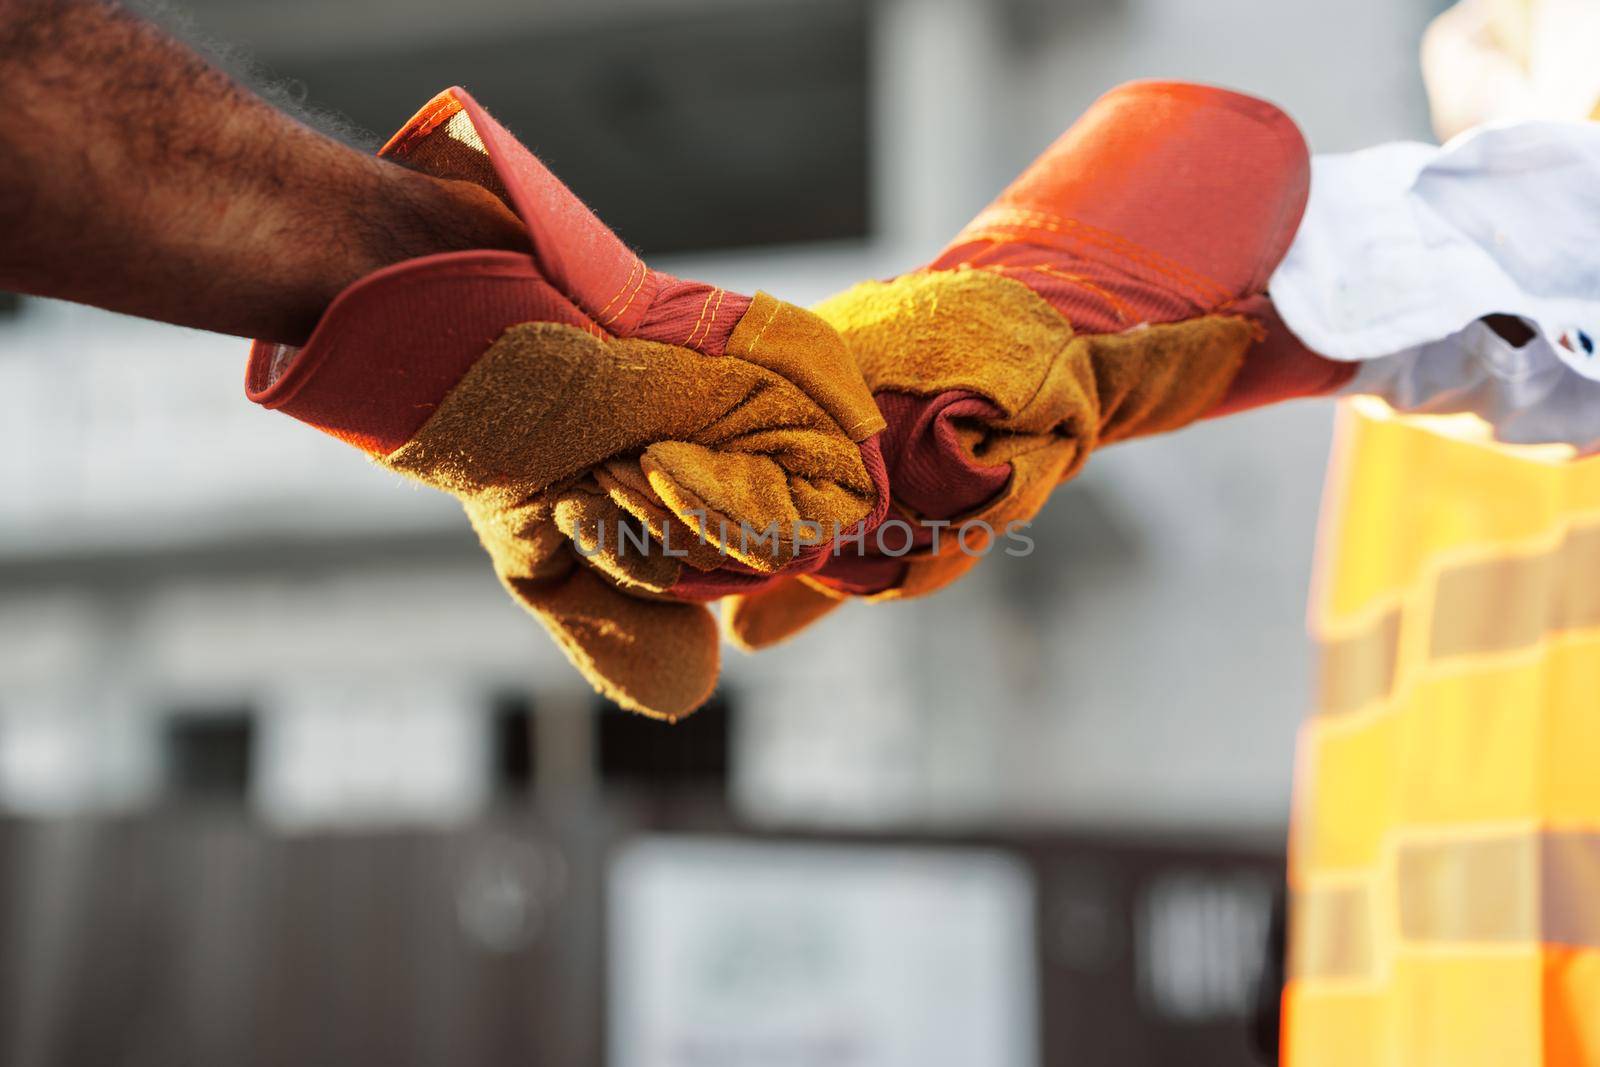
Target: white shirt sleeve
{"x":1405,"y":247}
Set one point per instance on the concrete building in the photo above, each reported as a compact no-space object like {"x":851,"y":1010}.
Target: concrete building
{"x":201,"y":600}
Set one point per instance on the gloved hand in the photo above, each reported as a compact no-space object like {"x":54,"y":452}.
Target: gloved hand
{"x":1116,"y":289}
{"x":568,"y":395}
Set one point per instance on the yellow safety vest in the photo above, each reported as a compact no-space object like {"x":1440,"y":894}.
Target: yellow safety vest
{"x":1444,"y":863}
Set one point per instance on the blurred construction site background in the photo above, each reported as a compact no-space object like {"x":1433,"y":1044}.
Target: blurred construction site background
{"x":285,"y":778}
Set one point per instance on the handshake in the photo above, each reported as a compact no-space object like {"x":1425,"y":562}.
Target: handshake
{"x":631,"y":446}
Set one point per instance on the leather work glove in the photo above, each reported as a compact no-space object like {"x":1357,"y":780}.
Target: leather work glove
{"x":1116,"y":289}
{"x":574,"y":396}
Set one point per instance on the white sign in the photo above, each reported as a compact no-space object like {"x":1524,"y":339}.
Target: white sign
{"x":729,"y":953}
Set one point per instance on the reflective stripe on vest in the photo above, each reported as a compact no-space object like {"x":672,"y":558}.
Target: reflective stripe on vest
{"x":1445,"y":852}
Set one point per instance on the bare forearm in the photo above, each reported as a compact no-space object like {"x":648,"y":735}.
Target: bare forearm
{"x":139,"y":178}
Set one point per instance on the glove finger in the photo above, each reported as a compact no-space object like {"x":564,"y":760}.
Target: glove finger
{"x":656,"y":657}
{"x":742,"y":496}
{"x":630,"y":490}
{"x":758,"y":620}
{"x":609,"y":540}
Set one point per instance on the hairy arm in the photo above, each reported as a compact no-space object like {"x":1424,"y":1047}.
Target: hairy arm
{"x":137,"y":177}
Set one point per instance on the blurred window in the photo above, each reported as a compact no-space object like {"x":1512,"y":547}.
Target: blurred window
{"x":683,"y":129}
{"x":640,"y":752}
{"x":210,"y":753}
{"x":513,"y":739}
